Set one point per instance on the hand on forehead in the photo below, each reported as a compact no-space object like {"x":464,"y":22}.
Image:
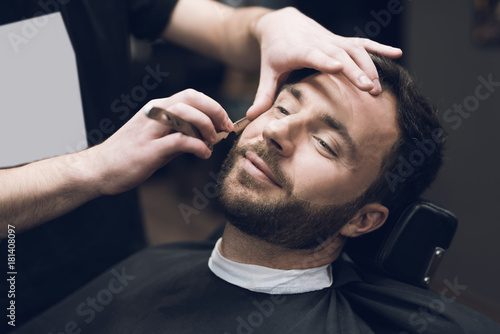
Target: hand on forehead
{"x":368,"y":120}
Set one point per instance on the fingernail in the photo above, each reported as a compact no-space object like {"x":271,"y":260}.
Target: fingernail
{"x":364,"y":80}
{"x":229,"y":125}
{"x":250,"y":109}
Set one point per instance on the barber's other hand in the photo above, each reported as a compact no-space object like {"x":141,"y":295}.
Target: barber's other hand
{"x":143,"y":145}
{"x":289,"y":40}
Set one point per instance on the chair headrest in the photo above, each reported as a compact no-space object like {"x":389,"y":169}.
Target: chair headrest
{"x":408,"y":245}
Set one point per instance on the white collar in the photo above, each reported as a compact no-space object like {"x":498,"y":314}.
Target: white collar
{"x":269,"y":280}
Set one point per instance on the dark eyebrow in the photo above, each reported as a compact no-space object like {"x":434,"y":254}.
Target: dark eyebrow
{"x":296,"y":93}
{"x":341,"y":129}
{"x":331,"y":122}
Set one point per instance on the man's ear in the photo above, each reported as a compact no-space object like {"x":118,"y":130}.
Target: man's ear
{"x":367,"y":219}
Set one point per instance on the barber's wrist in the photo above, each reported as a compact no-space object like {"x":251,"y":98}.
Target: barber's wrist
{"x":254,"y":26}
{"x":257,"y":26}
{"x":84,"y":173}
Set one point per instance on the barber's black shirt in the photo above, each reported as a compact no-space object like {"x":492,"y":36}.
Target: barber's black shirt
{"x":58,"y":257}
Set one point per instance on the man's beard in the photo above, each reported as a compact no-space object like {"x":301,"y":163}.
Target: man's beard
{"x":287,"y":221}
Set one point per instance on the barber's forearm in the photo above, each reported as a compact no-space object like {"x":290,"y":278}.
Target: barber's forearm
{"x":218,"y":31}
{"x":46,"y":189}
{"x":243,"y":48}
{"x":43,"y":190}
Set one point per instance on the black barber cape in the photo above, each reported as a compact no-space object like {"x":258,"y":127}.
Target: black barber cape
{"x":170,"y":289}
{"x":58,"y":257}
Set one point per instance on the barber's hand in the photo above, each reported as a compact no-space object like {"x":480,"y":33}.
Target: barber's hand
{"x":289,"y":40}
{"x":143,"y":145}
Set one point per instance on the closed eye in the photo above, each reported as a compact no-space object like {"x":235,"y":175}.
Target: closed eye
{"x":282,"y":110}
{"x":325,"y":146}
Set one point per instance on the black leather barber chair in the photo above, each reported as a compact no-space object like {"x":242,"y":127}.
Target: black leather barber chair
{"x":409,"y":246}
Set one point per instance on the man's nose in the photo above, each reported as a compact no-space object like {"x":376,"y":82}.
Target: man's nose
{"x":281,"y":135}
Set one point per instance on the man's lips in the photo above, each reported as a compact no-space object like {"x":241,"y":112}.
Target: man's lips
{"x":259,"y":169}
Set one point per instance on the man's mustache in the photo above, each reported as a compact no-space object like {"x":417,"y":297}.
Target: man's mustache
{"x":271,"y":159}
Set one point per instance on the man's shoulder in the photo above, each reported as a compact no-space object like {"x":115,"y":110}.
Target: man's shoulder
{"x":191,"y":252}
{"x":383,"y":302}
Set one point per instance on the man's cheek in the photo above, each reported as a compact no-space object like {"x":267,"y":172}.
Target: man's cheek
{"x":317,"y":194}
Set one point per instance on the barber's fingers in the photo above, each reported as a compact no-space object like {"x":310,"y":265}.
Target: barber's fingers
{"x":271,"y":79}
{"x":196,"y":118}
{"x":380,"y":49}
{"x":319,"y":60}
{"x":176,"y":143}
{"x":204,"y":104}
{"x":347,"y":56}
{"x":268,"y":84}
{"x":358,"y":65}
{"x":354,"y":63}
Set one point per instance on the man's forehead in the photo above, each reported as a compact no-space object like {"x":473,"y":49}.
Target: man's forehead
{"x":329,"y":86}
{"x":333,"y":81}
{"x":337,"y":90}
{"x":367,"y":118}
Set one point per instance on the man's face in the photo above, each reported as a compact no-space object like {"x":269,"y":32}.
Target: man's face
{"x":295,"y":174}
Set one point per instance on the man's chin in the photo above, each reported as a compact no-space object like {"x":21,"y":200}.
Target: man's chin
{"x":255,"y":197}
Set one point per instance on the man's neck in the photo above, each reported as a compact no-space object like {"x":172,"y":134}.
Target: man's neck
{"x":243,"y":248}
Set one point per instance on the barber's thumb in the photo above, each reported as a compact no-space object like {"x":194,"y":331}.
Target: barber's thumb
{"x":263,"y":99}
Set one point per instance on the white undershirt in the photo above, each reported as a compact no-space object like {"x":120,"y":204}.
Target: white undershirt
{"x":269,"y":280}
